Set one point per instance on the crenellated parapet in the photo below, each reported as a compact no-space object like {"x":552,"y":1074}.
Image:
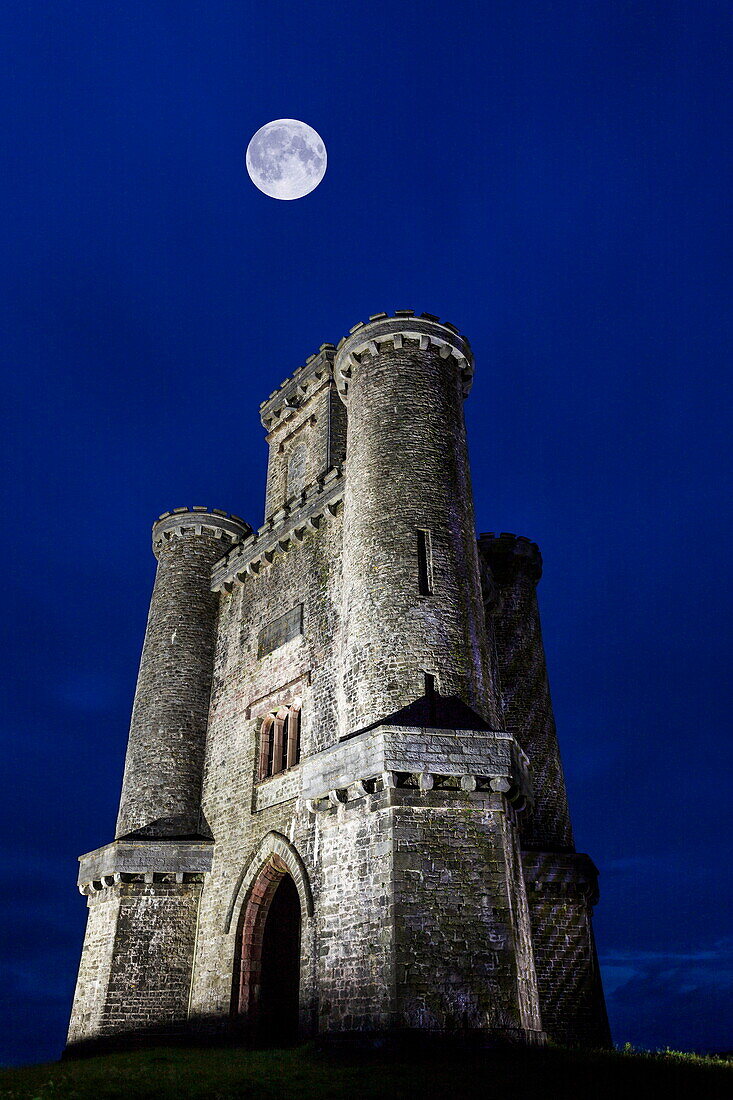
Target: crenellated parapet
{"x":571,"y":875}
{"x":194,"y":521}
{"x":284,"y":402}
{"x":509,"y":554}
{"x":401,"y":330}
{"x":282,"y":532}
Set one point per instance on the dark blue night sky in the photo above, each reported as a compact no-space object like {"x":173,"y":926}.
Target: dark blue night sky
{"x":554,"y":178}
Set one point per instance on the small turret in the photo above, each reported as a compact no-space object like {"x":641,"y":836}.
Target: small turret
{"x":515,"y":567}
{"x":412,"y":600}
{"x":161,"y":789}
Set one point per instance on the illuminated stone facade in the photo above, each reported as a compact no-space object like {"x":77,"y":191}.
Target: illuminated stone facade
{"x":343,"y":809}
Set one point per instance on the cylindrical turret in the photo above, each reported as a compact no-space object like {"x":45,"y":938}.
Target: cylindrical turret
{"x":161,"y":789}
{"x":515,"y":566}
{"x":415,"y":635}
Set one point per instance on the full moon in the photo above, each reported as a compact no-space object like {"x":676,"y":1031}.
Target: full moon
{"x":286,"y":159}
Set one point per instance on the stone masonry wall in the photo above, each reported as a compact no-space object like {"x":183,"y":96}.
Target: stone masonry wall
{"x":150,"y":979}
{"x":161,"y":789}
{"x":515,"y":567}
{"x":95,"y":966}
{"x":571,"y":994}
{"x":306,"y":425}
{"x":241,"y":812}
{"x":135,"y":974}
{"x":561,"y":885}
{"x":562,"y":890}
{"x":351,"y":852}
{"x":464,"y":954}
{"x":355,"y":918}
{"x":407,"y":474}
{"x":401,"y":830}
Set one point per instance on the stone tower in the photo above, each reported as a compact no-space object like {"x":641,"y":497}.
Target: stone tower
{"x":343,"y":809}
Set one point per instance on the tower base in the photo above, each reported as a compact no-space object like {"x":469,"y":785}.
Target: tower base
{"x":562,"y":889}
{"x":137,"y":959}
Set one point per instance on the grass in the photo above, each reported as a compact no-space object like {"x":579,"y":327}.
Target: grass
{"x":303,"y":1072}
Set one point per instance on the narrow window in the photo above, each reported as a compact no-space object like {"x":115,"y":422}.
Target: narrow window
{"x":280,"y":740}
{"x":293,"y":743}
{"x":430,"y":694}
{"x":286,"y":738}
{"x":265,"y":763}
{"x":423,"y":563}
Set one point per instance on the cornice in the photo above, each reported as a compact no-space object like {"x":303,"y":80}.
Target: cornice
{"x":284,"y":530}
{"x":284,"y":402}
{"x":404,"y":327}
{"x":193,"y":521}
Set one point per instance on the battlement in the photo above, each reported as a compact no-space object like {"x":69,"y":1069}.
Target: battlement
{"x":561,"y":875}
{"x":126,"y":857}
{"x":182,"y":521}
{"x":298,"y":387}
{"x":396,"y":330}
{"x":507,"y":553}
{"x":282,"y":532}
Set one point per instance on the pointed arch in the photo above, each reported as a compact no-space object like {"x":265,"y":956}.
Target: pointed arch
{"x":279,"y":740}
{"x":276,"y":846}
{"x":274,"y":868}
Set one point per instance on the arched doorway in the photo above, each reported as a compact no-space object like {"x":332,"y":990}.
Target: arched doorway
{"x":278,"y":1009}
{"x":266,"y":992}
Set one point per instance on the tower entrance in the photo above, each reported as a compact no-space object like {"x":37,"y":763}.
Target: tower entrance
{"x":268,"y":981}
{"x":278,"y":1008}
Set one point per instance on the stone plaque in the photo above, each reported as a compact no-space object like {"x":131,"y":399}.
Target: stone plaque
{"x":296,"y":470}
{"x":281,"y":630}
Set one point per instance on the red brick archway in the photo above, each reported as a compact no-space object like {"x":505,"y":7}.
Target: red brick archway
{"x":247,"y":990}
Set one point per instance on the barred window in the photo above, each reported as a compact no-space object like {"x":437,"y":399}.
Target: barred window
{"x":280,"y":740}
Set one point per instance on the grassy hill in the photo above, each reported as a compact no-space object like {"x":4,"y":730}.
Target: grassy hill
{"x":303,"y":1072}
